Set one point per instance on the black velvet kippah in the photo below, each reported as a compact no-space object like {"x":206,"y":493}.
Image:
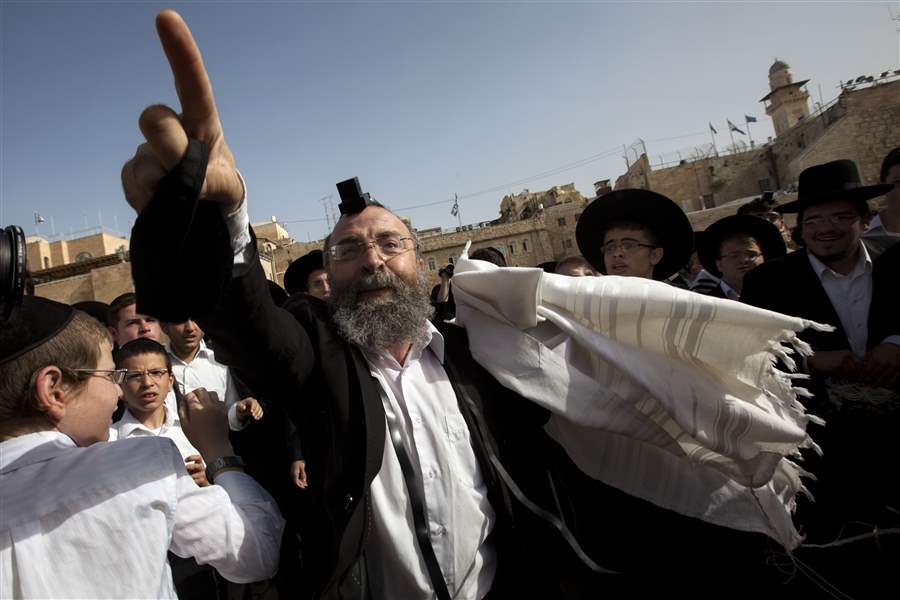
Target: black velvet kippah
{"x":181,"y":256}
{"x":30,"y":324}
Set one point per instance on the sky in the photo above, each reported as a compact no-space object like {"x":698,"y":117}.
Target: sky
{"x":420,"y":100}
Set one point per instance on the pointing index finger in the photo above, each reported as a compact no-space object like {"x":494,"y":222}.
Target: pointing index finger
{"x":198,"y":105}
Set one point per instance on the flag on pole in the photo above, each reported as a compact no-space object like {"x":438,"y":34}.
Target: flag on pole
{"x":455,"y":210}
{"x":733,"y":127}
{"x":38,"y":219}
{"x":713,"y":129}
{"x":749,"y":119}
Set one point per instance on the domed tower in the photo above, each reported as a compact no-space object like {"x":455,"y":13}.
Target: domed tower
{"x":787,"y":101}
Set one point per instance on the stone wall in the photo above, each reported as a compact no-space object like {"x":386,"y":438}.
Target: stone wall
{"x":862,"y":125}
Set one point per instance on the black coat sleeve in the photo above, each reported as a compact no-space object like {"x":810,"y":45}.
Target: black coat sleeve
{"x":266,"y":345}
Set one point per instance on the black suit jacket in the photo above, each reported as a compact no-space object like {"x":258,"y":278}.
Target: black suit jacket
{"x":789,"y":285}
{"x":295,"y":354}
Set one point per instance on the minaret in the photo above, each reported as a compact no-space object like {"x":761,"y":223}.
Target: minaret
{"x":786,"y":102}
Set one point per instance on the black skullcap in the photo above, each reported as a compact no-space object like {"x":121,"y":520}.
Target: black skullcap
{"x":32,"y":323}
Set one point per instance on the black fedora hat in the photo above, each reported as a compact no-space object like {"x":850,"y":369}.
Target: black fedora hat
{"x":830,"y":182}
{"x":299,"y":271}
{"x":656,"y":212}
{"x":765,"y":233}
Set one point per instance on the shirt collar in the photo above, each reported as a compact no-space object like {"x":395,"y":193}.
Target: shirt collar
{"x":32,"y":448}
{"x":129,"y":423}
{"x":864,"y":263}
{"x":729,"y":291}
{"x":433,"y":340}
{"x":203,"y":352}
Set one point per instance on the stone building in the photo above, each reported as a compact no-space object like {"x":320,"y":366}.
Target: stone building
{"x":44,"y":254}
{"x":862,"y":124}
{"x":787,"y":103}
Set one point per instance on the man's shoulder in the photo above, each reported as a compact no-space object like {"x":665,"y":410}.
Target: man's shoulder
{"x":784,"y":266}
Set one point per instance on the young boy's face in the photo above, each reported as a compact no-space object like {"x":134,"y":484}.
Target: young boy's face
{"x":146,"y":384}
{"x":89,"y":412}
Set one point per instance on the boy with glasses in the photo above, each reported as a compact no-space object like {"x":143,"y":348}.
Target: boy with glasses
{"x":147,"y":380}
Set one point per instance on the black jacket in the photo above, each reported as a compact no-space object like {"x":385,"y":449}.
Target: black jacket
{"x":294,"y":353}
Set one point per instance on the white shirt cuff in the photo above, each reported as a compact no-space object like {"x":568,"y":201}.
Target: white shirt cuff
{"x":238,"y":224}
{"x":892,"y":339}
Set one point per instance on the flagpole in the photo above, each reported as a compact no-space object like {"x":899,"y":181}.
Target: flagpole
{"x":713,"y":137}
{"x":750,"y":135}
{"x":731,"y":133}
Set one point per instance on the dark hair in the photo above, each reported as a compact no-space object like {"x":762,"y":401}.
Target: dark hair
{"x":755,"y":207}
{"x":122,"y":301}
{"x":141,"y":346}
{"x":652,"y":238}
{"x":890,"y":161}
{"x":489,"y":254}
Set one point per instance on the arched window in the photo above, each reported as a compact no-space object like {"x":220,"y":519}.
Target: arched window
{"x":83,"y":256}
{"x":46,"y":262}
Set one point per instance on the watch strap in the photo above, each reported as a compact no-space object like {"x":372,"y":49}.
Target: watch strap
{"x":223,"y":462}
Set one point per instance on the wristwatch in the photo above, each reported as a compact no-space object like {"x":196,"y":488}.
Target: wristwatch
{"x":223,"y":462}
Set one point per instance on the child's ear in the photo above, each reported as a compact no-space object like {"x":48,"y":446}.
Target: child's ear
{"x":51,"y":393}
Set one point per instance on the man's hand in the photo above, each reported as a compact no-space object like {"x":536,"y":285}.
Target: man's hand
{"x":197,"y":469}
{"x":836,"y":363}
{"x":249,"y":408}
{"x":298,"y":474}
{"x":205,"y":424}
{"x":881,"y":366}
{"x":167,"y":132}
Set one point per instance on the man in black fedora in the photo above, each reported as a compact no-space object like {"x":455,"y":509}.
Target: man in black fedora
{"x":735,"y":245}
{"x":635,"y":233}
{"x":307,"y":274}
{"x":834,"y":280}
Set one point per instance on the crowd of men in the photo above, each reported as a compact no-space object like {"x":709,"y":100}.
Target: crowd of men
{"x":353,"y":447}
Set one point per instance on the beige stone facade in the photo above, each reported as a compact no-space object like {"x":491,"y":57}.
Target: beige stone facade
{"x":862,"y":125}
{"x":43,"y":254}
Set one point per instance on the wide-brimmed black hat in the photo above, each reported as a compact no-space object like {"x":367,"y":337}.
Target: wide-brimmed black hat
{"x":656,"y":212}
{"x":829,"y":182}
{"x":765,"y":233}
{"x":299,"y":271}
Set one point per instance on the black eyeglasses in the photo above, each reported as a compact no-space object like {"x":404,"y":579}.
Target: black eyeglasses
{"x":388,"y":246}
{"x":116,"y":376}
{"x":627,"y":245}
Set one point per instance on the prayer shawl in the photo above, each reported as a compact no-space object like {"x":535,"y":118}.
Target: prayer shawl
{"x":663,"y":393}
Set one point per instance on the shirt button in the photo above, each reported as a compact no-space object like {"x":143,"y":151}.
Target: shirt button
{"x":417,"y":420}
{"x":348,"y":501}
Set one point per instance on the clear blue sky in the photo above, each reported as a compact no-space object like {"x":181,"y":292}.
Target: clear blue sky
{"x":420,"y":100}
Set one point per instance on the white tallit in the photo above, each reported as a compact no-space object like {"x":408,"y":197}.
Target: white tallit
{"x":663,"y":393}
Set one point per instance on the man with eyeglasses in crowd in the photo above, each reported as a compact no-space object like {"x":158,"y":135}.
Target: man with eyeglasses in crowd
{"x":635,"y":233}
{"x":834,"y":280}
{"x":733,"y":246}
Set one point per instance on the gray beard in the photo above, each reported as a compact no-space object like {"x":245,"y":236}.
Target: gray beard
{"x":379,"y":324}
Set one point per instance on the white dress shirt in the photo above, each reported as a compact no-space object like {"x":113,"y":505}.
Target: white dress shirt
{"x":204,"y":371}
{"x":129,"y":427}
{"x":97,"y":522}
{"x":850,"y":295}
{"x":437,"y":439}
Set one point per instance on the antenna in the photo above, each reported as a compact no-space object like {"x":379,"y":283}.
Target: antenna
{"x":896,"y":19}
{"x":328,"y":209}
